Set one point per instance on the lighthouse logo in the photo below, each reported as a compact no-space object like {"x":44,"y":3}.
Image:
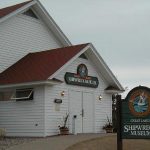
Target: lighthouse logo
{"x":139,"y":103}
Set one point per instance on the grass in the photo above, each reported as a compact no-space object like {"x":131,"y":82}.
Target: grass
{"x":110,"y":143}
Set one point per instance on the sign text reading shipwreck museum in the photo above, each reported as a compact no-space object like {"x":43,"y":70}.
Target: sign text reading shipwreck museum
{"x":81,"y":78}
{"x":136,"y":114}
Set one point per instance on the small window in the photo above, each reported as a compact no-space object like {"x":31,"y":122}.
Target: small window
{"x":30,"y":13}
{"x":23,"y":94}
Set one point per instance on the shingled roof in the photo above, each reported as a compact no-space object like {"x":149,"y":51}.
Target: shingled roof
{"x":39,"y":66}
{"x":7,"y":10}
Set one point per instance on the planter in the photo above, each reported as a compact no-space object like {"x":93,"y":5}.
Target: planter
{"x":109,"y":130}
{"x":64,"y":131}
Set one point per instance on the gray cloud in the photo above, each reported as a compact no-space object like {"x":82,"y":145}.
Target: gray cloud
{"x":119,"y":29}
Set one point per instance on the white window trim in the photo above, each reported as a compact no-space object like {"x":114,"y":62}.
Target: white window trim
{"x":20,"y":98}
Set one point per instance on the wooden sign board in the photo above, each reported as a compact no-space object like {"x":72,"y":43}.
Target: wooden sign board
{"x":75,"y":79}
{"x":81,"y":78}
{"x":136,"y":114}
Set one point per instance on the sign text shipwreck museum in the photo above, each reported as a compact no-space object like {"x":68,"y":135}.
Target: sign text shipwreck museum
{"x":43,"y":77}
{"x":136,"y":114}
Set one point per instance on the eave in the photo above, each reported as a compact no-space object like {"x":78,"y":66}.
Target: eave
{"x":35,"y":83}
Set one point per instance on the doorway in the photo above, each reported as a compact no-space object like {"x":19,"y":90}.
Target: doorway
{"x":81,"y":111}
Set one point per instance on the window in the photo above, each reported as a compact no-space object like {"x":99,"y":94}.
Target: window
{"x":23,"y":94}
{"x":30,"y":13}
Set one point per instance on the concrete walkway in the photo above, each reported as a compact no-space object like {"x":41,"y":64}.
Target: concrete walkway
{"x":57,"y":142}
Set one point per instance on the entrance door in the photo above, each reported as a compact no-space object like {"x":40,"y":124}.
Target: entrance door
{"x":81,"y":111}
{"x":88,"y":117}
{"x":75,"y":112}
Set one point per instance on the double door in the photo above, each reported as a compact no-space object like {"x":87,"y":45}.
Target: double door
{"x":81,"y":111}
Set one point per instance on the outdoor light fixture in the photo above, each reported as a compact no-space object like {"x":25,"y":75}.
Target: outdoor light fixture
{"x":58,"y":101}
{"x":100,"y":97}
{"x":62,"y":93}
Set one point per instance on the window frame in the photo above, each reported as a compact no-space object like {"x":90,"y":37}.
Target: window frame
{"x":23,"y":98}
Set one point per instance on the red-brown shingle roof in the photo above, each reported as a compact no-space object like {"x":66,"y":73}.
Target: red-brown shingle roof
{"x":39,"y":66}
{"x":7,"y":10}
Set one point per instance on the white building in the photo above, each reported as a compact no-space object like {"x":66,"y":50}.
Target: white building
{"x":43,"y":77}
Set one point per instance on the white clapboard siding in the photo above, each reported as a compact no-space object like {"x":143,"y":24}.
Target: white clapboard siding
{"x":102,"y":108}
{"x":24,"y":118}
{"x":54,"y":118}
{"x":23,"y":34}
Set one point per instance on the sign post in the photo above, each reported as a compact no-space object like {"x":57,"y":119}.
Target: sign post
{"x":119,"y":129}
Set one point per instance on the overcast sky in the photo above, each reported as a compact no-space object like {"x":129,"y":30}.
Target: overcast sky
{"x":119,"y":30}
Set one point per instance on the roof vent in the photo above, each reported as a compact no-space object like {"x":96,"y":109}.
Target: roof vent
{"x":83,"y":56}
{"x":30,"y":13}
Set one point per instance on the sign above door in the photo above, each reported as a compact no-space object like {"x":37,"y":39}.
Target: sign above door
{"x":81,"y":78}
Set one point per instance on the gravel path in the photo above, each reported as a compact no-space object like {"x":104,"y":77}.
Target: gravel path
{"x":6,"y":143}
{"x":73,"y":142}
{"x":48,"y":143}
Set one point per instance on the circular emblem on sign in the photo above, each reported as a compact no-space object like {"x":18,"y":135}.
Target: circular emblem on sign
{"x":139,"y":103}
{"x":82,"y":70}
